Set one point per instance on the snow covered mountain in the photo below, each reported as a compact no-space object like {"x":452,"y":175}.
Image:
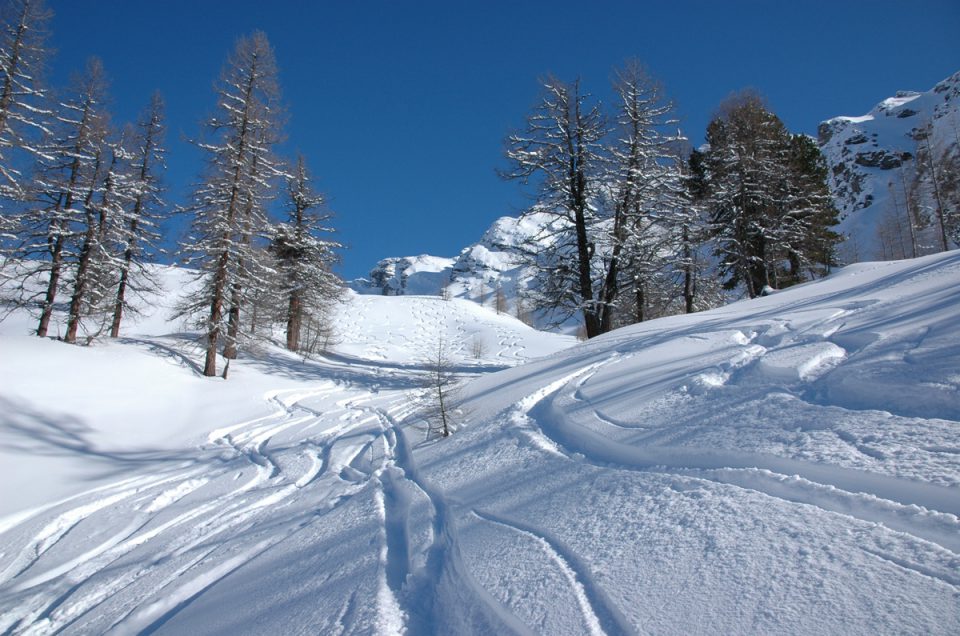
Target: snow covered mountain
{"x":789,"y":464}
{"x":493,"y":263}
{"x":873,"y":160}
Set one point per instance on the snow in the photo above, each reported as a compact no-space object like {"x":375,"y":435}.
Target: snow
{"x":789,"y":464}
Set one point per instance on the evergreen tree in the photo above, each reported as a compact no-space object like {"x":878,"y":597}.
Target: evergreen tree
{"x":804,"y":237}
{"x":766,"y":191}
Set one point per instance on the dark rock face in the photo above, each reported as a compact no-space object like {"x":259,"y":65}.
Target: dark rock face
{"x":880,"y":159}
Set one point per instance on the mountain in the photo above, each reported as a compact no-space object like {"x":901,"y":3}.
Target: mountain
{"x":480,"y":272}
{"x":874,"y":160}
{"x":788,"y":464}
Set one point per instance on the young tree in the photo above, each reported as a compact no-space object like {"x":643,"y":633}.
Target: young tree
{"x":499,"y":300}
{"x":305,"y":261}
{"x":442,"y":396}
{"x":227,"y":203}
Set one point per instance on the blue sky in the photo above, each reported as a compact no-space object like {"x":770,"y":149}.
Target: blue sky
{"x":401,"y":107}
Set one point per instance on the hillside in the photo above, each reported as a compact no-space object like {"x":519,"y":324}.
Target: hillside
{"x":784,"y":465}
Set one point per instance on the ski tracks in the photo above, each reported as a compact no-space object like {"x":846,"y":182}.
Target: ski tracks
{"x":185,"y":529}
{"x":922,"y":514}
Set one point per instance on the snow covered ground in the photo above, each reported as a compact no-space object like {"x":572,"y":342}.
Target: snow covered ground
{"x":789,"y":464}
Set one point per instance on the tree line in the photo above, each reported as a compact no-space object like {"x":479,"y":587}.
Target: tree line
{"x":83,"y":203}
{"x":636,"y":223}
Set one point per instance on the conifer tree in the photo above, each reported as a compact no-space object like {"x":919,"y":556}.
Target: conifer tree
{"x":561,"y":151}
{"x":645,"y":184}
{"x":305,"y":260}
{"x":54,"y":225}
{"x":137,"y":230}
{"x":23,"y":100}
{"x":228,"y":203}
{"x":770,"y":208}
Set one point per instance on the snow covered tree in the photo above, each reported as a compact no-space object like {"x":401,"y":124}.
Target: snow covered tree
{"x":604,"y":199}
{"x":228,"y":204}
{"x":100,"y":206}
{"x":55,"y":223}
{"x":645,"y":184}
{"x":766,"y":190}
{"x":137,"y":225}
{"x":805,"y":240}
{"x":305,"y":261}
{"x":23,"y":108}
{"x":560,"y":150}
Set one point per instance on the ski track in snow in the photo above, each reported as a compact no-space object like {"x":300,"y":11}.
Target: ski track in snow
{"x":176,"y":535}
{"x":53,"y":595}
{"x":923,"y":510}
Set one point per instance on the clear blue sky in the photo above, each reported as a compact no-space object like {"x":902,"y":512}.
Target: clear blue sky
{"x":401,"y":107}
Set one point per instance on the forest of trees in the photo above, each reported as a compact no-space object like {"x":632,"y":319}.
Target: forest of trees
{"x":83,"y":208}
{"x":636,"y":217}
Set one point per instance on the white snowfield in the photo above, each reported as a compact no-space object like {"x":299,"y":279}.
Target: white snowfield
{"x":789,"y":464}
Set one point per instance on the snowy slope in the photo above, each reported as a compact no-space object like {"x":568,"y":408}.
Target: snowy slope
{"x":872,"y":158}
{"x":789,"y":464}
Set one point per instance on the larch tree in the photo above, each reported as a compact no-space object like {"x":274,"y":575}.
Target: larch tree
{"x":23,"y":100}
{"x":560,"y":152}
{"x":137,"y":226}
{"x":304,"y":259}
{"x":54,"y":223}
{"x":227,"y":205}
{"x":102,"y":204}
{"x":643,"y":184}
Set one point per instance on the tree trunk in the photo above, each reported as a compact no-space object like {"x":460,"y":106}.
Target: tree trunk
{"x":638,"y":291}
{"x":80,"y":286}
{"x":294,"y":318}
{"x":216,"y":314}
{"x":688,"y":286}
{"x":56,"y":263}
{"x":233,"y":323}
